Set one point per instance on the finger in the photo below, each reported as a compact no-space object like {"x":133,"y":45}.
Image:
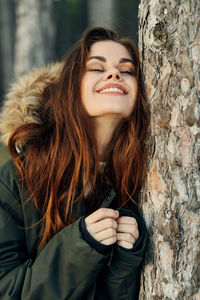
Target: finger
{"x":127,"y":228}
{"x":125,"y":244}
{"x":125,"y":237}
{"x":100,"y":214}
{"x":105,"y":234}
{"x":127,"y":220}
{"x":109,"y":241}
{"x":102,"y":225}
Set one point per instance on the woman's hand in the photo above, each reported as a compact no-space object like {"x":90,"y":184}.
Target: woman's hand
{"x":102,"y":225}
{"x":127,"y":231}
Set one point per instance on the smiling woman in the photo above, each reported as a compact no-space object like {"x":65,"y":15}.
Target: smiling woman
{"x":109,"y":88}
{"x":75,"y":132}
{"x":109,"y":85}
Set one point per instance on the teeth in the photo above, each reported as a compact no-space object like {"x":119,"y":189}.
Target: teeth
{"x":112,"y":90}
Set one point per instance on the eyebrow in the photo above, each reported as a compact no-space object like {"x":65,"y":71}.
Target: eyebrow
{"x":101,"y":58}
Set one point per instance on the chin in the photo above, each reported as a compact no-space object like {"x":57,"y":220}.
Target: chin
{"x":117,"y":114}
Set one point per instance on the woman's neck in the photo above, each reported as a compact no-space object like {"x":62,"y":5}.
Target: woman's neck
{"x":105,"y":127}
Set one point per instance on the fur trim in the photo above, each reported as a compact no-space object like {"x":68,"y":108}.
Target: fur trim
{"x":24,"y":99}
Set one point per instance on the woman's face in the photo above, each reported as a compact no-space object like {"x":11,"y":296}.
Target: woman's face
{"x":109,"y":86}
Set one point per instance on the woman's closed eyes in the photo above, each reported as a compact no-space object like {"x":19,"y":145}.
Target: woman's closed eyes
{"x":132,"y":73}
{"x":99,"y":69}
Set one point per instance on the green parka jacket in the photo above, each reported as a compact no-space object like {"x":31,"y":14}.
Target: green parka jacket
{"x":69,"y":266}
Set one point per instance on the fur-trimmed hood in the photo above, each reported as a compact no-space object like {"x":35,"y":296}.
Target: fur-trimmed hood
{"x":24,"y":98}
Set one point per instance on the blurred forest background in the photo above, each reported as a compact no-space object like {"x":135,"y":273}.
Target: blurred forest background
{"x":36,"y":32}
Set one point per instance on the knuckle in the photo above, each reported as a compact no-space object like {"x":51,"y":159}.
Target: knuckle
{"x":114,"y":239}
{"x":113,"y":223}
{"x":110,"y":222}
{"x":136,"y":235}
{"x":87,"y":220}
{"x":134,"y":222}
{"x":89,"y":228}
{"x":110,"y":231}
{"x":133,"y":231}
{"x":119,"y":226}
{"x":102,"y":211}
{"x":130,"y":237}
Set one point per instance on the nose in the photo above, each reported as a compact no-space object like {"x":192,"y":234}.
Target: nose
{"x":113,"y":74}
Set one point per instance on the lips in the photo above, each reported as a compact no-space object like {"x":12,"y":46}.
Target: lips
{"x":112,"y":88}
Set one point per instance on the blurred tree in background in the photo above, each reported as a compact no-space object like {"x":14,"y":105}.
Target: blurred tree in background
{"x":71,"y":19}
{"x":35,"y":35}
{"x":7,"y":38}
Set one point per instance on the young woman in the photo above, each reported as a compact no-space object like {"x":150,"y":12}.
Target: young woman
{"x":69,"y":223}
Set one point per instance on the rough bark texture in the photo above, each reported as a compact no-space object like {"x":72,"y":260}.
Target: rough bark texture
{"x":169,"y":41}
{"x":34,"y":35}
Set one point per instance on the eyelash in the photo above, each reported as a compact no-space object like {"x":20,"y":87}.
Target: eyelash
{"x":128,"y":72}
{"x":122,"y":72}
{"x":95,"y":70}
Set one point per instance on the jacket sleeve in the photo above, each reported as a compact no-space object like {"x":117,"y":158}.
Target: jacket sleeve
{"x":64,"y":269}
{"x":120,"y":278}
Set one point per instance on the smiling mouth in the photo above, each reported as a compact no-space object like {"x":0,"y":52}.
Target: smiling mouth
{"x":112,"y":90}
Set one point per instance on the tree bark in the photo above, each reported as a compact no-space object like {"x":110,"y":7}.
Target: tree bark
{"x":169,"y":42}
{"x":34,"y":35}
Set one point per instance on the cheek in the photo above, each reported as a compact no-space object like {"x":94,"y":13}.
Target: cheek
{"x":87,"y":94}
{"x":134,"y":90}
{"x":134,"y":94}
{"x":86,"y":88}
{"x":134,"y":85}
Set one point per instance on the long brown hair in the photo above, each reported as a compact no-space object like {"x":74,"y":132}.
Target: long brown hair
{"x":62,"y":150}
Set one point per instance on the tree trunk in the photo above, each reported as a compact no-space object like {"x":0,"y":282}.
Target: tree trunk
{"x":34,"y":36}
{"x":126,"y":20}
{"x":169,"y":42}
{"x":6,"y":44}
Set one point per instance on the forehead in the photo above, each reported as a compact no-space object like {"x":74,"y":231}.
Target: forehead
{"x":109,"y":50}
